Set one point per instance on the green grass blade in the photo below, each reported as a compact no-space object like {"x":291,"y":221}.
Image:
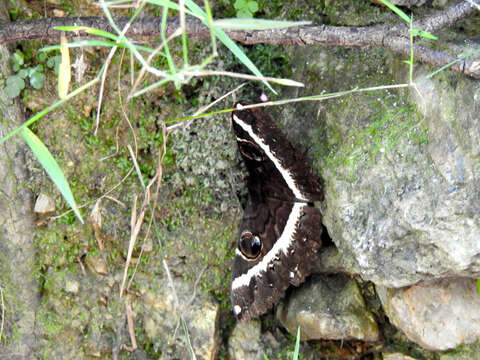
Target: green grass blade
{"x":397,"y":11}
{"x":102,"y":43}
{"x":52,"y":107}
{"x":229,"y":43}
{"x":51,"y":167}
{"x":256,"y":24}
{"x":424,"y":34}
{"x":88,"y":30}
{"x":297,"y":345}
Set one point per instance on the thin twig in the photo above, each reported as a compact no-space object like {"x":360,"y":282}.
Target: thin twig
{"x":131,"y":326}
{"x":135,"y":225}
{"x":204,"y":109}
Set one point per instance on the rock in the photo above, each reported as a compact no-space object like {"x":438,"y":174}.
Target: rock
{"x":44,"y":205}
{"x":161,"y":320}
{"x":396,"y":356}
{"x":245,"y":342}
{"x":72,"y":286}
{"x":402,"y":189}
{"x":97,"y":264}
{"x":329,"y":261}
{"x":328,"y":307}
{"x":437,"y":315}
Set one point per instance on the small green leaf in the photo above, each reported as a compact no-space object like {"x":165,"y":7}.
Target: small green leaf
{"x":37,"y":79}
{"x":252,"y":6}
{"x":46,"y":159}
{"x":478,"y":286}
{"x":18,"y":60}
{"x":244,"y":14}
{"x":424,"y":34}
{"x":54,"y":62}
{"x":41,"y":56}
{"x":240,"y":4}
{"x":14,"y":85}
{"x":23,"y":73}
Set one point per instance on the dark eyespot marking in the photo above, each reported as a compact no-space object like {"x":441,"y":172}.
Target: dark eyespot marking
{"x":250,"y":245}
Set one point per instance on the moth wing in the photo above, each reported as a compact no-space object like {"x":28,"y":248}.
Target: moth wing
{"x":276,"y":167}
{"x":290,"y":233}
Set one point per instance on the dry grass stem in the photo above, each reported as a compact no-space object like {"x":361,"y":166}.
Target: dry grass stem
{"x":131,"y":326}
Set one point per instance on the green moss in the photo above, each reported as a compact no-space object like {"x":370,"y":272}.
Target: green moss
{"x":383,"y":132}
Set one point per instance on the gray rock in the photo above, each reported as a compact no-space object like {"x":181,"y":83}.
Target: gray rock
{"x":97,"y":264}
{"x":45,"y":204}
{"x":396,"y":356}
{"x":328,"y":307}
{"x":72,"y":286}
{"x":402,"y":189}
{"x":437,"y":315}
{"x":161,"y":318}
{"x":245,"y":342}
{"x":20,"y":289}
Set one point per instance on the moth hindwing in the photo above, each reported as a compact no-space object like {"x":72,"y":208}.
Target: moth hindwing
{"x":281,"y":230}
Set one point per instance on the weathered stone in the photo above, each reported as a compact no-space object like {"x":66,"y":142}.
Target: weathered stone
{"x":402,"y":189}
{"x":97,"y":264}
{"x":19,"y":286}
{"x":72,"y":286}
{"x":396,"y":356}
{"x":245,"y":342}
{"x":45,"y":204}
{"x":328,"y":307}
{"x":161,"y":318}
{"x":437,"y":315}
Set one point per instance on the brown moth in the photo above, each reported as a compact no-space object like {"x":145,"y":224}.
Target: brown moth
{"x":281,"y":230}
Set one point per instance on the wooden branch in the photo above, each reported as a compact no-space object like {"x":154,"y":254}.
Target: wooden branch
{"x":394,"y":37}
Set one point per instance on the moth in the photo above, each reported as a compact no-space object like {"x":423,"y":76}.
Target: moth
{"x":281,"y":229}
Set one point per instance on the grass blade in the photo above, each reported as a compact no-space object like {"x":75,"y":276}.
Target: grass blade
{"x":88,"y":30}
{"x":424,"y":34}
{"x":297,"y":345}
{"x":397,"y":11}
{"x":229,"y":43}
{"x":64,"y":73}
{"x":51,"y":167}
{"x":256,"y":24}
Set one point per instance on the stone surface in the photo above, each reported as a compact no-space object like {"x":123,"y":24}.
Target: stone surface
{"x":245,"y":341}
{"x":402,"y":188}
{"x":97,"y":264}
{"x":328,"y":307}
{"x":396,"y":356}
{"x":45,"y":204}
{"x":19,"y":286}
{"x":160,"y":313}
{"x":437,"y":315}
